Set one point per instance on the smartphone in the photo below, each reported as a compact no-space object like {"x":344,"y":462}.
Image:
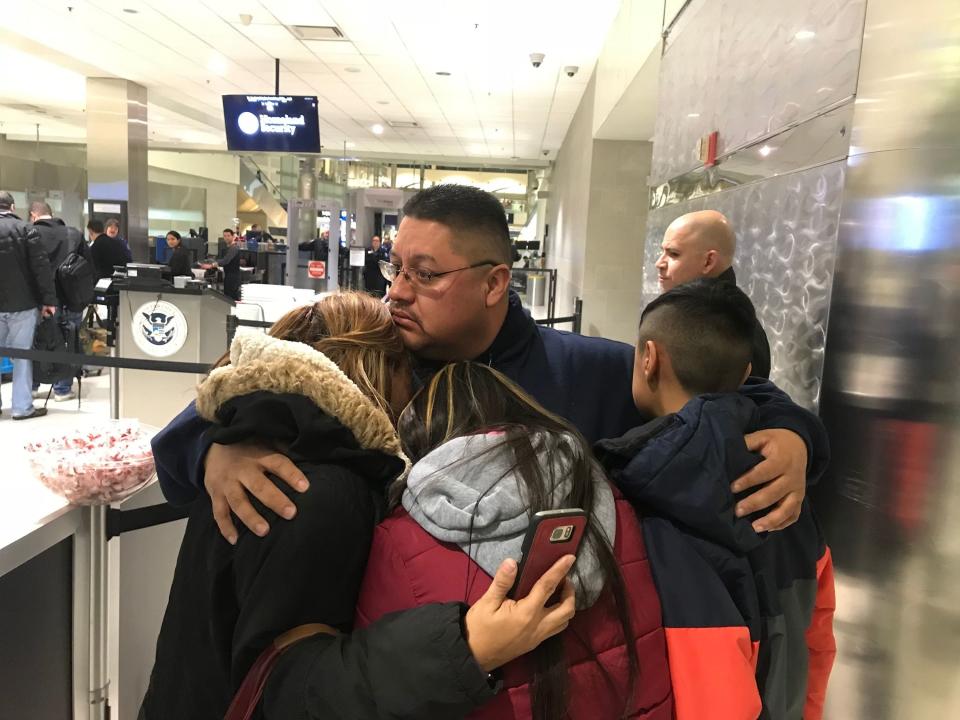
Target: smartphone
{"x":551,"y":535}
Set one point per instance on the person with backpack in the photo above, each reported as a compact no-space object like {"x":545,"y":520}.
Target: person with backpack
{"x":26,"y":285}
{"x":74,"y":282}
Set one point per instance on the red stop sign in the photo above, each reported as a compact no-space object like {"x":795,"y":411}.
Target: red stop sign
{"x":317,"y":269}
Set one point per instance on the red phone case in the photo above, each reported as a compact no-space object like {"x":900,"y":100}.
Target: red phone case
{"x":539,"y":553}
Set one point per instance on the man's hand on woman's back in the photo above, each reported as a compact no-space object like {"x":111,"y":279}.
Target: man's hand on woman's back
{"x":233,"y":471}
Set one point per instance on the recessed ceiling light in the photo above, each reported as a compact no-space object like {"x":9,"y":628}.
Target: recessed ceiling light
{"x":383,"y":102}
{"x":443,"y":73}
{"x":765,"y":150}
{"x":217,"y":64}
{"x":693,"y":115}
{"x":352,"y":69}
{"x":131,"y":11}
{"x":805,"y":35}
{"x":377,"y":129}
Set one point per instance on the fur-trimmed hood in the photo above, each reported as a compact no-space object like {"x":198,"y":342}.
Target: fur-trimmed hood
{"x":261,"y":363}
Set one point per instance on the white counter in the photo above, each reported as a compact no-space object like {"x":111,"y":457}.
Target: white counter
{"x":32,"y":519}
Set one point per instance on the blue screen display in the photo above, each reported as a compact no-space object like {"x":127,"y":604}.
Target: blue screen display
{"x":271,"y":123}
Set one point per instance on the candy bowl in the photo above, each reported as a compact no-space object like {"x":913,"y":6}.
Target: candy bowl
{"x":100,"y":464}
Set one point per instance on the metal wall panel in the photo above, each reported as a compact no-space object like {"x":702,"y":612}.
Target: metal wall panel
{"x":786,"y":243}
{"x":891,"y":397}
{"x":749,"y":69}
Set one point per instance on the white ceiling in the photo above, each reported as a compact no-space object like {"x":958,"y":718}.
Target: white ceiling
{"x":493,"y":106}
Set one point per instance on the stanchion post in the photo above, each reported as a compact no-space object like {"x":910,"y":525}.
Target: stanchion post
{"x":99,"y":684}
{"x":114,"y":387}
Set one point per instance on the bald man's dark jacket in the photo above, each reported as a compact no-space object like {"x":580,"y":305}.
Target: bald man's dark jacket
{"x":761,"y":348}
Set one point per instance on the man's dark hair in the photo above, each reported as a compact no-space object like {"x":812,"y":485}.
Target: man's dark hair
{"x":229,"y":230}
{"x":475,"y":216}
{"x":706,"y":327}
{"x":6,"y":200}
{"x":96,"y":226}
{"x":112,"y":222}
{"x":39,"y":207}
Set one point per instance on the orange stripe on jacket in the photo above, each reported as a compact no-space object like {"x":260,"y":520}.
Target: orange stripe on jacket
{"x":713,"y":671}
{"x":821,"y":644}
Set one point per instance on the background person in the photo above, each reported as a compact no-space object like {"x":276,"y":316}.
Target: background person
{"x":107,"y":252}
{"x":487,"y":457}
{"x":323,"y":385}
{"x":373,"y":280}
{"x":59,"y":240}
{"x":179,"y":261}
{"x":748,"y":618}
{"x":702,"y":245}
{"x":230,"y":264}
{"x":112,"y":229}
{"x":26,"y":284}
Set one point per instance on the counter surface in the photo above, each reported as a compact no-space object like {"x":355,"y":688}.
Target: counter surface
{"x":32,"y":519}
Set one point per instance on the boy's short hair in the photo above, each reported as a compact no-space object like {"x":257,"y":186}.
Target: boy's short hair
{"x":706,"y":327}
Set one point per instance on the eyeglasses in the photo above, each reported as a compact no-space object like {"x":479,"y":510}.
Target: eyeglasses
{"x":419,"y":277}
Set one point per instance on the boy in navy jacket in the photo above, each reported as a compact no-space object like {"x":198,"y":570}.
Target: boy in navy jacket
{"x":748,"y":616}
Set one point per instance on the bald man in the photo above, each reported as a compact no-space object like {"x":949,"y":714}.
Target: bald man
{"x":701,"y":245}
{"x":696,"y":245}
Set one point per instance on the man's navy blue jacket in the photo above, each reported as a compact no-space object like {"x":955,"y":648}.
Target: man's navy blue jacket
{"x":586,"y":380}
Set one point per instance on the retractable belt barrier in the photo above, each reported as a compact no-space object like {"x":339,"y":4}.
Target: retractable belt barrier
{"x":65,"y":358}
{"x":123,"y":521}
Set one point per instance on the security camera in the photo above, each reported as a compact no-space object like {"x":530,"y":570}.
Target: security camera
{"x":571,"y":70}
{"x":546,"y":152}
{"x":536,"y":59}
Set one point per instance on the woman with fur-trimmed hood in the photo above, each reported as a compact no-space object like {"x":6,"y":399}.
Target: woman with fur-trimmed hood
{"x":273,"y":614}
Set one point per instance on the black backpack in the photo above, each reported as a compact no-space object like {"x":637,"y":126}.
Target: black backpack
{"x":76,"y":277}
{"x":54,"y":335}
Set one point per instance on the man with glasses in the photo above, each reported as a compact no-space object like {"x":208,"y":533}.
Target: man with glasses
{"x":450,"y":299}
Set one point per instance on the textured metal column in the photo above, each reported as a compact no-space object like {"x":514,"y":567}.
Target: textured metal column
{"x":117,"y":152}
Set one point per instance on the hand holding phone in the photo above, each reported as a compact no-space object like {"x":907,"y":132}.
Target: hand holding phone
{"x":550,"y":535}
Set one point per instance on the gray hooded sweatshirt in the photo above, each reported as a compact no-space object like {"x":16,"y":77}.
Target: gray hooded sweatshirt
{"x":466,"y":492}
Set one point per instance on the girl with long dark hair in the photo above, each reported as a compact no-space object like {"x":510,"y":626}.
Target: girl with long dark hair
{"x":487,"y":457}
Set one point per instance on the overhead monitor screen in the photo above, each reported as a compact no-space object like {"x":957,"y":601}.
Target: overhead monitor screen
{"x":272,"y":123}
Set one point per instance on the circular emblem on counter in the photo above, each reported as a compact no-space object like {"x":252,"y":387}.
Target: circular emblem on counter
{"x":159,"y":328}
